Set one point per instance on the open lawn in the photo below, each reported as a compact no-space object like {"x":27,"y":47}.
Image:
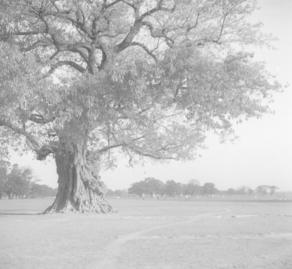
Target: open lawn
{"x":148,"y":234}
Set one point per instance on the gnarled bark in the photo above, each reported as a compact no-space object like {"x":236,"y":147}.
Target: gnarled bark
{"x":80,"y":189}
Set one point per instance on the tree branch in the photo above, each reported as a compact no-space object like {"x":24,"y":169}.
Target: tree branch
{"x":79,"y":22}
{"x":151,"y":155}
{"x":107,"y":148}
{"x":121,"y":144}
{"x":159,"y":7}
{"x":105,"y":5}
{"x":138,"y":23}
{"x":31,"y":139}
{"x":72,"y":64}
{"x":161,"y":34}
{"x":28,"y":33}
{"x":145,"y":49}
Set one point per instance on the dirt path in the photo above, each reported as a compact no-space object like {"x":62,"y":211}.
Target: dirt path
{"x":113,"y":250}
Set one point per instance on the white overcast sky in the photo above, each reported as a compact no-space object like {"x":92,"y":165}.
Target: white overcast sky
{"x":262,"y":154}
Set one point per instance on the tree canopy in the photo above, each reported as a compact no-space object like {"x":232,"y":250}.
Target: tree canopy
{"x":148,"y":78}
{"x":149,"y":186}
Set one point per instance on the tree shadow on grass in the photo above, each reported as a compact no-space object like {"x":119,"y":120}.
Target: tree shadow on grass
{"x":13,"y":213}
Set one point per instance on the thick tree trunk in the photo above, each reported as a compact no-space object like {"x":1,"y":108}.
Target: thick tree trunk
{"x":80,"y":189}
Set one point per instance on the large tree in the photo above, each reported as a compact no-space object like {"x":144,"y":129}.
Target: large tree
{"x":142,"y":77}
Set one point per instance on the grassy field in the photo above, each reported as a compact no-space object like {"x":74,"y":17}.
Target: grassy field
{"x":148,"y":234}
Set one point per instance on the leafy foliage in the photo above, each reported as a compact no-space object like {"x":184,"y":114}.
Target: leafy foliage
{"x":18,"y":182}
{"x":148,"y":78}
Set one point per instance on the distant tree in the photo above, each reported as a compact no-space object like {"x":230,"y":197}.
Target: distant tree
{"x":273,"y":189}
{"x":250,"y":191}
{"x":266,"y":189}
{"x":262,"y":189}
{"x":147,"y":77}
{"x":173,"y":188}
{"x":209,"y":188}
{"x":117,"y":193}
{"x":138,"y":188}
{"x":150,"y":186}
{"x":244,"y":190}
{"x":155,"y":186}
{"x":110,"y":192}
{"x":38,"y":191}
{"x":18,"y":182}
{"x":191,"y":189}
{"x":231,"y":191}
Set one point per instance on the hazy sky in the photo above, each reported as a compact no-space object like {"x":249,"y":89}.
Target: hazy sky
{"x":262,"y":154}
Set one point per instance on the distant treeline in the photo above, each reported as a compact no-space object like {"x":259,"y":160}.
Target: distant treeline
{"x":171,"y":188}
{"x":19,"y":183}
